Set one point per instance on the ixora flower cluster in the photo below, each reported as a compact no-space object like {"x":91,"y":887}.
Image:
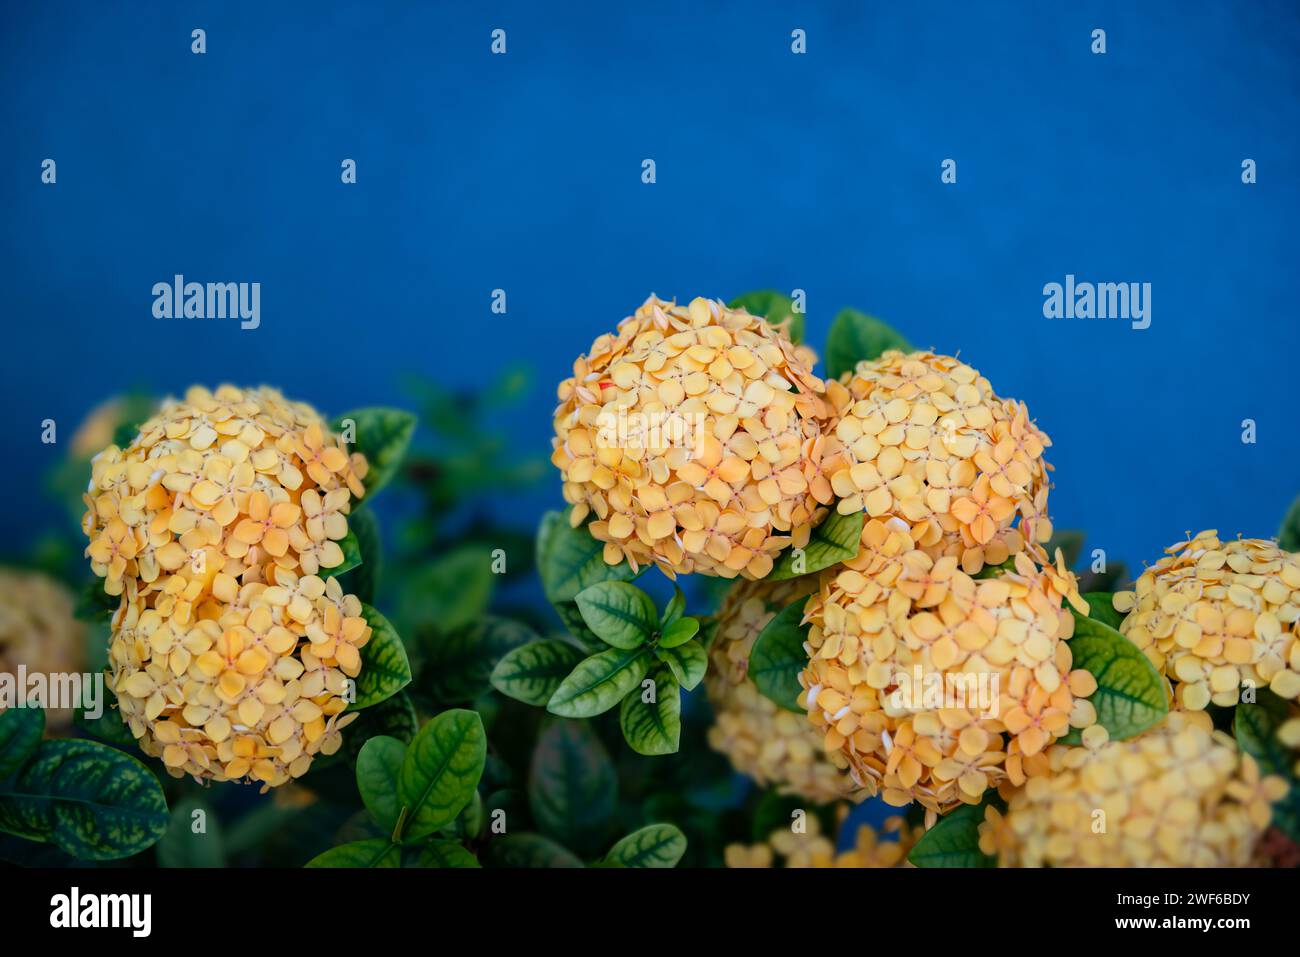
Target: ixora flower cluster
{"x":39,"y":632}
{"x":230,"y":653}
{"x":1180,"y":795}
{"x":695,"y":436}
{"x":872,"y":848}
{"x":1216,"y":616}
{"x":934,"y":653}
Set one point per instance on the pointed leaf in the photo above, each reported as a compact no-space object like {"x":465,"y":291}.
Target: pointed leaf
{"x":953,"y":842}
{"x":653,"y":727}
{"x":570,"y":560}
{"x":778,"y":657}
{"x":385,"y":669}
{"x":655,"y":845}
{"x":599,"y":682}
{"x":378,"y":767}
{"x":676,"y":608}
{"x":446,"y":854}
{"x":90,"y":800}
{"x":689,"y":662}
{"x":363,"y":580}
{"x":835,"y":540}
{"x":619,"y":613}
{"x":1130,"y":695}
{"x":441,"y":771}
{"x":679,"y":632}
{"x":532,"y":673}
{"x":855,"y":336}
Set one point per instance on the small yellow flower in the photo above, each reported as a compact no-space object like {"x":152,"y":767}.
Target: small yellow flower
{"x":1214,"y":615}
{"x":887,"y":847}
{"x":39,"y":631}
{"x":230,"y":656}
{"x":769,"y":744}
{"x":693,"y":436}
{"x":1179,"y":795}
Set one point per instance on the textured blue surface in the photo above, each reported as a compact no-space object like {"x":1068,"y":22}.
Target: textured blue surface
{"x":818,"y":171}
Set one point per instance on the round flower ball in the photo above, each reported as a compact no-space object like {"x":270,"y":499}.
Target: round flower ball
{"x":929,"y":685}
{"x":1179,"y":795}
{"x":232,"y":648}
{"x":39,"y":631}
{"x":771,"y":745}
{"x":693,"y":438}
{"x":925,"y":440}
{"x":1213,"y":615}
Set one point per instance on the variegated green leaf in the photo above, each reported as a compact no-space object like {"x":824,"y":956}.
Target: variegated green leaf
{"x":599,"y":682}
{"x":835,"y":540}
{"x":655,"y":845}
{"x":385,"y":669}
{"x":446,"y":854}
{"x":378,"y":766}
{"x":382,"y":436}
{"x":778,"y":657}
{"x":619,"y":613}
{"x":532,"y":673}
{"x":572,"y":786}
{"x":441,"y":771}
{"x":20,"y":734}
{"x":653,"y":727}
{"x":376,"y":852}
{"x":689,"y":662}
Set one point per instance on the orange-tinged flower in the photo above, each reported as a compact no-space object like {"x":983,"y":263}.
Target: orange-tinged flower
{"x":762,"y":740}
{"x":926,"y":684}
{"x":924,"y":439}
{"x":230,"y":654}
{"x":1179,"y":795}
{"x":1214,"y":615}
{"x":693,"y":437}
{"x":886,"y":847}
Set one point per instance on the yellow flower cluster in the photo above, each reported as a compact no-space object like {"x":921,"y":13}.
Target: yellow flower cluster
{"x":694,"y":436}
{"x":764,"y":741}
{"x":926,"y":440}
{"x":39,"y":630}
{"x":930,"y":685}
{"x":230,"y":656}
{"x":814,"y":850}
{"x":1180,"y":795}
{"x":1212,"y":615}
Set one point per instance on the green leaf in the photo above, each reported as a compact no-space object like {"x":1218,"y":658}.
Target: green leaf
{"x":775,"y":307}
{"x":655,"y":845}
{"x":385,"y":669}
{"x":532,"y":673}
{"x":193,"y":837}
{"x":679,"y":632}
{"x":378,"y":767}
{"x":376,"y":852}
{"x":20,"y":735}
{"x":569,"y":560}
{"x":446,"y":854}
{"x":689,"y":662}
{"x":954,"y":841}
{"x":778,"y":657}
{"x":835,"y":540}
{"x":441,"y":771}
{"x":382,"y":436}
{"x":458,"y":667}
{"x":1130,"y":695}
{"x":572,"y":786}
{"x":88,"y":799}
{"x":856,"y":336}
{"x":1288,"y":536}
{"x":450,"y":592}
{"x":675,"y":609}
{"x":1255,"y":725}
{"x":619,"y":613}
{"x":529,"y":850}
{"x":363,"y":581}
{"x":1101,"y":607}
{"x":654,"y":727}
{"x":599,"y":682}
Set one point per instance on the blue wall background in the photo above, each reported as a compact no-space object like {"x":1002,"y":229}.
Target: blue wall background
{"x":818,"y":171}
